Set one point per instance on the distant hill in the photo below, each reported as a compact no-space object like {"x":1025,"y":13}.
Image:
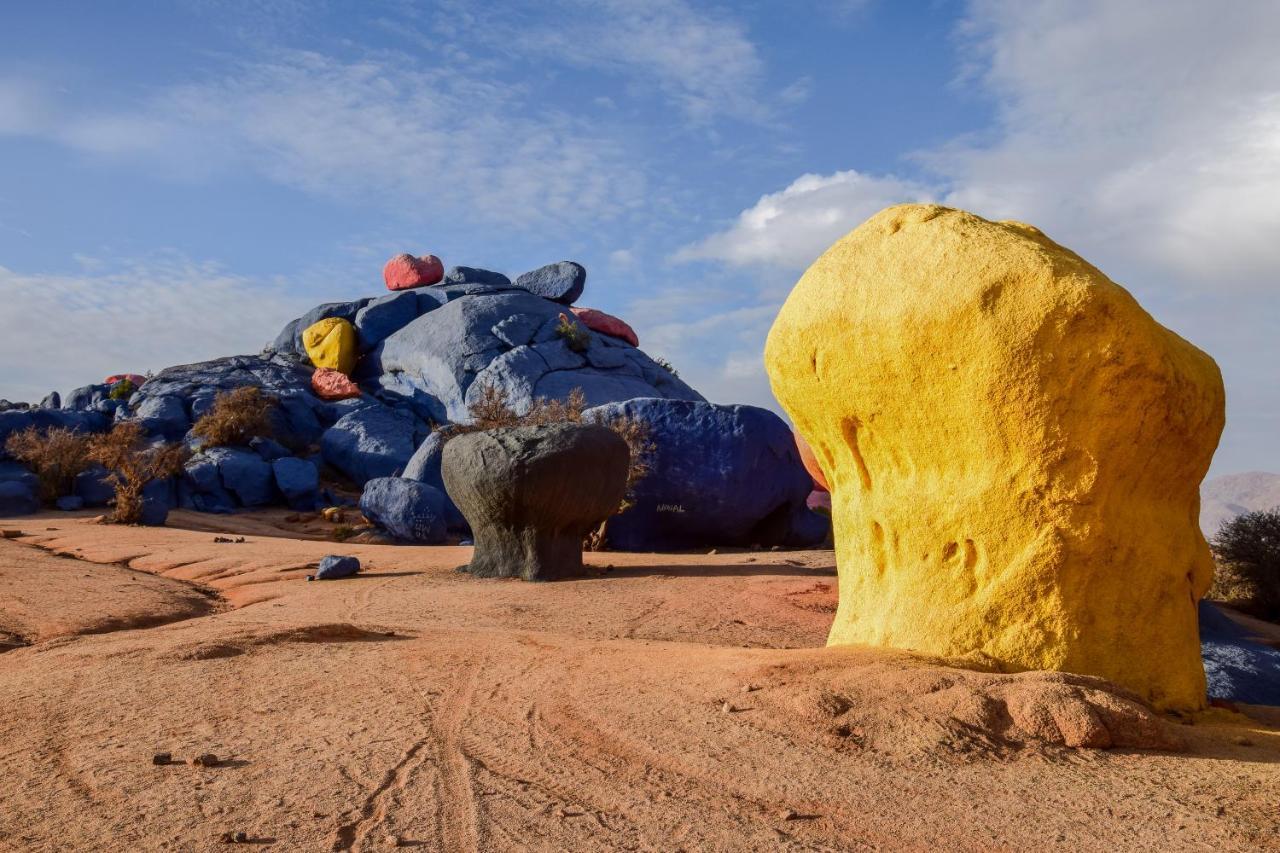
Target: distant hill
{"x":1223,"y":498}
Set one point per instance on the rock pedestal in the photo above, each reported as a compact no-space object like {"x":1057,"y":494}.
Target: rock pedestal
{"x":1014,"y":449}
{"x":531,"y":494}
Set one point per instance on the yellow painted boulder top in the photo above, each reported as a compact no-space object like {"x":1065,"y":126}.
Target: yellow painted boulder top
{"x":331,"y":343}
{"x":1014,"y":449}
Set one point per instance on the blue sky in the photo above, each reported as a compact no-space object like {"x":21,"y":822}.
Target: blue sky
{"x":178,"y":180}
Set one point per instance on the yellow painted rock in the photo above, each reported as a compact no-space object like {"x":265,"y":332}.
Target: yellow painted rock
{"x":1014,"y":449}
{"x":331,"y":343}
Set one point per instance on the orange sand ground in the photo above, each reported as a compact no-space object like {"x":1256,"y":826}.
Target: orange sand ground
{"x":674,"y":702}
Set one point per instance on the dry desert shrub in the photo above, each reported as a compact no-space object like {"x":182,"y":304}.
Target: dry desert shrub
{"x":236,"y":417}
{"x":133,"y":463}
{"x":56,"y":456}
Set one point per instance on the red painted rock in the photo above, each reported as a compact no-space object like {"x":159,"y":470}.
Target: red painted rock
{"x":332,"y":384}
{"x":132,"y":377}
{"x":811,"y":463}
{"x":606,"y":324}
{"x":405,"y":271}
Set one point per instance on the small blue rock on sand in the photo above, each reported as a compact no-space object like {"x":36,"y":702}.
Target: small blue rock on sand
{"x":333,"y":567}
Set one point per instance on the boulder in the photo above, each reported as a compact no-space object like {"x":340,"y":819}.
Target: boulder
{"x":162,"y":415}
{"x":52,"y":400}
{"x":157,"y":498}
{"x":200,"y":487}
{"x":268,"y":448}
{"x":383,"y":316}
{"x":17,"y":498}
{"x":1238,"y":669}
{"x":606,"y":324}
{"x":333,"y":567}
{"x":561,"y":282}
{"x":299,"y":481}
{"x":69,"y":503}
{"x":11,"y":472}
{"x":94,"y":487}
{"x":531,"y":494}
{"x":136,"y":378}
{"x":406,"y":509}
{"x":474,"y":275}
{"x":331,"y":343}
{"x":289,"y":342}
{"x":424,"y":467}
{"x":1015,"y":446}
{"x":331,"y":385}
{"x":811,"y":463}
{"x":719,"y":475}
{"x":373,"y":441}
{"x":404,"y":272}
{"x":244,"y":474}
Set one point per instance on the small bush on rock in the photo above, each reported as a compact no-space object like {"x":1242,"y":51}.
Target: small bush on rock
{"x":1247,"y":550}
{"x":236,"y":417}
{"x":122,"y":390}
{"x":56,"y":456}
{"x":575,"y":337}
{"x":666,"y":365}
{"x":133,"y":463}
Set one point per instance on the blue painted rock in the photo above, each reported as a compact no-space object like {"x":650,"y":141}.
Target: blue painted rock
{"x":475,"y":275}
{"x":299,"y":481}
{"x":16,"y":420}
{"x":333,"y":567}
{"x":383,"y":316}
{"x":157,"y":498}
{"x":268,"y":448}
{"x":16,"y":472}
{"x":162,"y":415}
{"x":424,"y":467}
{"x":94,"y":486}
{"x":1238,"y":669}
{"x":561,"y":282}
{"x":51,"y":401}
{"x":372,"y":441}
{"x":243,"y":474}
{"x":69,"y":503}
{"x":720,"y":475}
{"x":17,"y":498}
{"x":406,"y":509}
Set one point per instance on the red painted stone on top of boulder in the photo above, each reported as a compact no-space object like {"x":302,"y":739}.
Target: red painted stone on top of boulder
{"x":405,"y":271}
{"x":332,"y":384}
{"x":811,"y":463}
{"x":606,"y":324}
{"x":135,"y":378}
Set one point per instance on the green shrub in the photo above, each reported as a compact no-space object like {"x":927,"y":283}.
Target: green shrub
{"x":1247,"y":550}
{"x":575,"y":336}
{"x":122,"y":390}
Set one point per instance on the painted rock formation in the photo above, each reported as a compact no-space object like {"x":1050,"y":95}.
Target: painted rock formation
{"x":532,"y":493}
{"x":404,"y":271}
{"x":1013,"y":446}
{"x":719,"y":475}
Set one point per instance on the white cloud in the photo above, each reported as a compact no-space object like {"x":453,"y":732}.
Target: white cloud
{"x":69,"y":330}
{"x":375,"y":130}
{"x":792,"y":227}
{"x":702,"y":60}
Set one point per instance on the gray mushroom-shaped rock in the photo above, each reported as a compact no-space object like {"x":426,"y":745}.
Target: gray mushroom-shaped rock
{"x":530,"y":494}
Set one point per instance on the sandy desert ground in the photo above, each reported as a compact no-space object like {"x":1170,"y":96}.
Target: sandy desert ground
{"x":666,"y":702}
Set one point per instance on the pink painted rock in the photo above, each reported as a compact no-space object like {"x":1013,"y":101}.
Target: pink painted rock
{"x":330,"y":384}
{"x":811,"y":464}
{"x":136,"y":379}
{"x":405,"y":271}
{"x":819,"y":500}
{"x":606,"y":324}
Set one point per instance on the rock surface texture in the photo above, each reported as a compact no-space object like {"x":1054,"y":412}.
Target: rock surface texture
{"x":719,"y":475}
{"x":530,"y":494}
{"x":1013,"y":447}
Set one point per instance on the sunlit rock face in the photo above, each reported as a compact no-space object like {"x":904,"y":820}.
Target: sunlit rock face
{"x":1014,"y":449}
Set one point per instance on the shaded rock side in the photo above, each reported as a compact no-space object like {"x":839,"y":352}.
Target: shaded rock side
{"x":530,"y":494}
